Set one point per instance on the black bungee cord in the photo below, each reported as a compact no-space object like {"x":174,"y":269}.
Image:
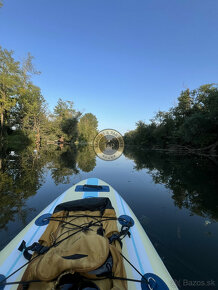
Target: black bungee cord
{"x":55,"y":244}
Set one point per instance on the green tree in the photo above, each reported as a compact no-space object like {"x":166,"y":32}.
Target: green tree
{"x":192,"y":124}
{"x":69,"y":127}
{"x":185,"y":102}
{"x":66,"y":118}
{"x":9,"y":83}
{"x":27,"y":70}
{"x":129,"y":137}
{"x":87,"y":127}
{"x":201,"y":127}
{"x":65,"y":110}
{"x":31,"y":110}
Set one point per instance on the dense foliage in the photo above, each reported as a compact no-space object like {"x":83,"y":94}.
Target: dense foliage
{"x":192,"y":123}
{"x":87,"y":127}
{"x":24,"y":116}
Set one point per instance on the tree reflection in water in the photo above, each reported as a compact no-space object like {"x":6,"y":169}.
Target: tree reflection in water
{"x":192,"y":179}
{"x":22,"y":173}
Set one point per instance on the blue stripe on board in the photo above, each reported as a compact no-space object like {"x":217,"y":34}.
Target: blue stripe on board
{"x":90,"y":194}
{"x":133,"y":241}
{"x":91,"y":181}
{"x":21,"y":254}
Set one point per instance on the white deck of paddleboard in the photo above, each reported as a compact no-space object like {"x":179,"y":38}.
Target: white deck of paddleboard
{"x":138,"y":249}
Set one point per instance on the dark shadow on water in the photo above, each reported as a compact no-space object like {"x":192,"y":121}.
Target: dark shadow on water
{"x":185,"y":235}
{"x":193,"y":180}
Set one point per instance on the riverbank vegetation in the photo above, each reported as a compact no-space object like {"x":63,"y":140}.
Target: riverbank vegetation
{"x":24,"y":114}
{"x":191,"y":125}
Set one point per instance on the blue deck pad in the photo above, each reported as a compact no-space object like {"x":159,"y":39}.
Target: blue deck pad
{"x":82,"y":188}
{"x":91,"y":181}
{"x":43,"y":220}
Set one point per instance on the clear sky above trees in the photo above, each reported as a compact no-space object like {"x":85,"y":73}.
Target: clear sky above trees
{"x":120,"y":60}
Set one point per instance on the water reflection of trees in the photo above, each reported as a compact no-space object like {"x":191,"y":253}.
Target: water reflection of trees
{"x":193,"y":180}
{"x":62,"y":164}
{"x":86,"y":158}
{"x":21,"y":176}
{"x":22,"y":173}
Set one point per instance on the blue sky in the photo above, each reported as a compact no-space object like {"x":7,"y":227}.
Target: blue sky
{"x":121,"y":60}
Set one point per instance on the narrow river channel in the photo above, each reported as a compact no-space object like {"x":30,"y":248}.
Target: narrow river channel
{"x":174,"y":197}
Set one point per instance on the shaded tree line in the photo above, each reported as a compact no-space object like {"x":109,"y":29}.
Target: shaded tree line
{"x":24,"y":114}
{"x":191,"y":125}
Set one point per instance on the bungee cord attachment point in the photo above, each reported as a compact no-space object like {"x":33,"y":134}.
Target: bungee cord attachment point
{"x":149,"y":281}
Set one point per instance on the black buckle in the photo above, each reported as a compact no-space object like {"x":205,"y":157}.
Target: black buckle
{"x":115,"y":237}
{"x":35,"y":247}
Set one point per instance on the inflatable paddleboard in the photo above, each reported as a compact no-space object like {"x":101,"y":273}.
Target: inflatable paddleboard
{"x":137,"y":248}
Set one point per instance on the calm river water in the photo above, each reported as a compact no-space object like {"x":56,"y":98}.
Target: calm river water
{"x":174,"y":197}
